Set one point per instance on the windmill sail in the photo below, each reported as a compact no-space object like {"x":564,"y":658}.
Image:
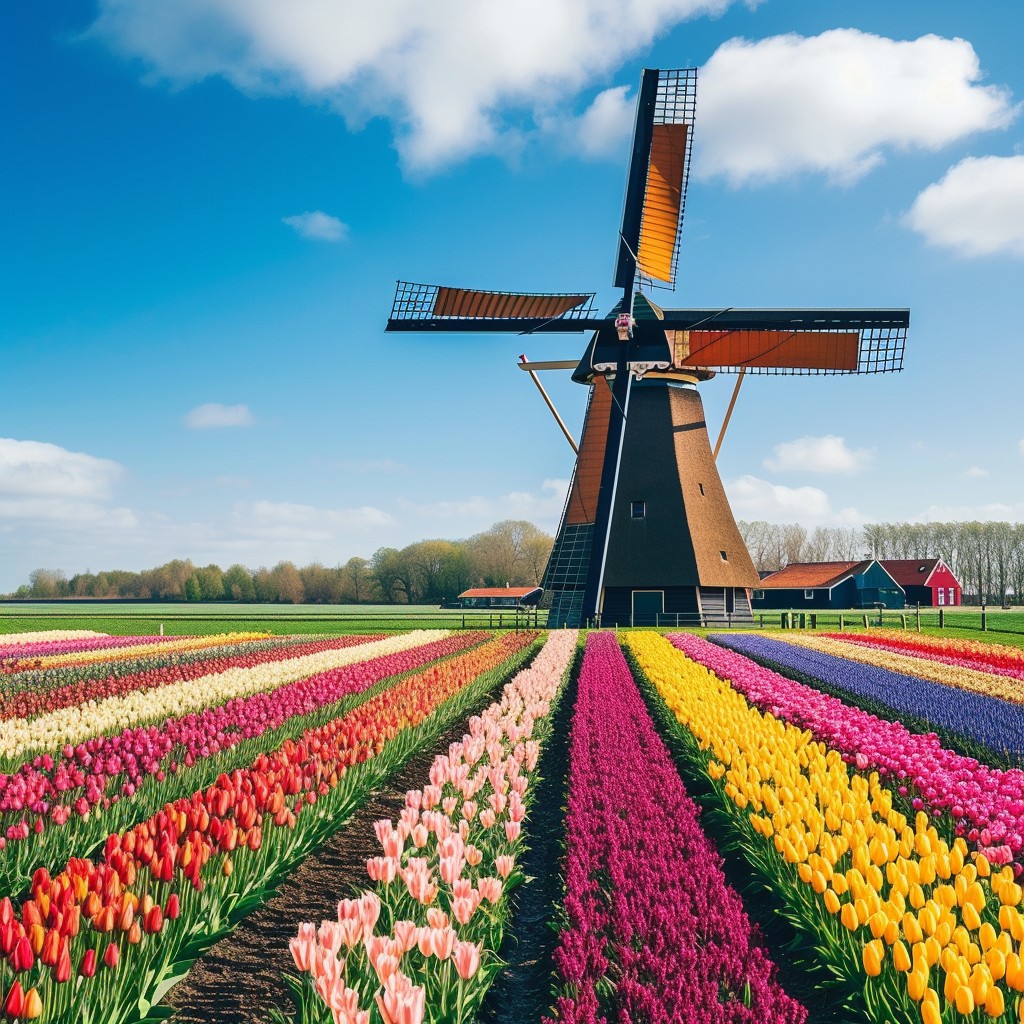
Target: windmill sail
{"x":427,"y":307}
{"x":652,"y":214}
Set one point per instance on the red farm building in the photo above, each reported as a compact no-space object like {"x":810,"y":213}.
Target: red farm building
{"x":928,"y":582}
{"x":500,"y":597}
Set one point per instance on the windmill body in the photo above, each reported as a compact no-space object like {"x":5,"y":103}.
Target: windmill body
{"x":647,"y":536}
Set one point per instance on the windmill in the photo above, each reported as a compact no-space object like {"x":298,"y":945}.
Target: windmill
{"x":647,"y":531}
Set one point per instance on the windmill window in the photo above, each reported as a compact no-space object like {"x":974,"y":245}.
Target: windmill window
{"x":725,"y":557}
{"x":808,"y":595}
{"x":638,"y":509}
{"x":701,"y":486}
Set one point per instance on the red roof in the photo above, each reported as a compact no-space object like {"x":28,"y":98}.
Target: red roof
{"x":808,"y":575}
{"x":910,"y":572}
{"x":499,"y":592}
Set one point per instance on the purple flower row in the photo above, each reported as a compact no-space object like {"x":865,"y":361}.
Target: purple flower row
{"x":646,"y":900}
{"x":987,"y":803}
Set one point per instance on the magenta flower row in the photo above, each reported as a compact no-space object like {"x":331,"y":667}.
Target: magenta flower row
{"x":986,"y":803}
{"x":78,"y":778}
{"x":647,"y":905}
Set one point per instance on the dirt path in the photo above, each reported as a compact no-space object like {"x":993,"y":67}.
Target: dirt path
{"x":521,"y":993}
{"x":239,"y":979}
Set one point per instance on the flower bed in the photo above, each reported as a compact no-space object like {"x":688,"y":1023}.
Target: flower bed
{"x":917,"y":929}
{"x":994,"y":723}
{"x":427,"y":934}
{"x":957,"y":676}
{"x":129,"y":923}
{"x":651,"y":932}
{"x":53,"y":730}
{"x":115,"y":648}
{"x":974,"y":654}
{"x":27,"y":703}
{"x":77,"y":797}
{"x":986,"y":803}
{"x":47,"y":636}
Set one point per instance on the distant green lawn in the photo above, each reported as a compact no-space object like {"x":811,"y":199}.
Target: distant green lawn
{"x":182,"y":619}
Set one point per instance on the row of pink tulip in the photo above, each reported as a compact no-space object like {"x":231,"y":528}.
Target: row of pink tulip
{"x":423,"y":944}
{"x":987,"y":804}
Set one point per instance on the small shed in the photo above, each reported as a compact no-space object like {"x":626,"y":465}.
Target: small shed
{"x":500,"y":597}
{"x":813,"y":585}
{"x":928,"y":582}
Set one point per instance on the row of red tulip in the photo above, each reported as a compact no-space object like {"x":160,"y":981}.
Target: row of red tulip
{"x":124,"y":908}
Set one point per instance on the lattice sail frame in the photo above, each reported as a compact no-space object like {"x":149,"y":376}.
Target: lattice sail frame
{"x":676,"y":104}
{"x":424,"y":303}
{"x":876,"y":349}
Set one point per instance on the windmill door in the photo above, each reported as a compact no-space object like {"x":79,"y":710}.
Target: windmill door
{"x":647,"y":606}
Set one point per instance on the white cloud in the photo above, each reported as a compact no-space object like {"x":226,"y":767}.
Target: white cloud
{"x":1020,"y":446}
{"x":84,"y":517}
{"x":828,"y":454}
{"x":834,"y":103}
{"x":976,"y":209}
{"x":604,"y":127}
{"x":316,"y":224}
{"x":976,"y":473}
{"x":213,"y":414}
{"x":37,"y":469}
{"x":998,"y":511}
{"x":752,"y":498}
{"x":455,"y":77}
{"x":285,"y":521}
{"x":476,"y":512}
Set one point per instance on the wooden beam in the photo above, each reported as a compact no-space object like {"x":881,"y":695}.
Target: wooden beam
{"x":529,"y":367}
{"x":728,"y":412}
{"x":551,"y":364}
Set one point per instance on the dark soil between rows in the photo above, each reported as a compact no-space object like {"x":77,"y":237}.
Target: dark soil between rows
{"x":522,"y":991}
{"x":239,"y":979}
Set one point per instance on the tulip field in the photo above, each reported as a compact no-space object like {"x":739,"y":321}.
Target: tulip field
{"x":751,"y":827}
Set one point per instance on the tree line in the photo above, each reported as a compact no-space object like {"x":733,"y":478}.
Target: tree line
{"x":512,"y":552}
{"x":987,"y":558}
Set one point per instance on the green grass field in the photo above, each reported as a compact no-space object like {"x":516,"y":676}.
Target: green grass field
{"x":181,"y":619}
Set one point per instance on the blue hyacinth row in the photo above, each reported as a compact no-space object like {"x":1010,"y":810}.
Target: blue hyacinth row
{"x":995,"y":723}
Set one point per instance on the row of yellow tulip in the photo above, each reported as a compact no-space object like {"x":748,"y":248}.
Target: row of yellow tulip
{"x":52,"y":730}
{"x":936,"y":671}
{"x":883,"y":897}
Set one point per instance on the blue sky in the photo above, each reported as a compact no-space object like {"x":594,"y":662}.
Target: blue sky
{"x":204,"y":207}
